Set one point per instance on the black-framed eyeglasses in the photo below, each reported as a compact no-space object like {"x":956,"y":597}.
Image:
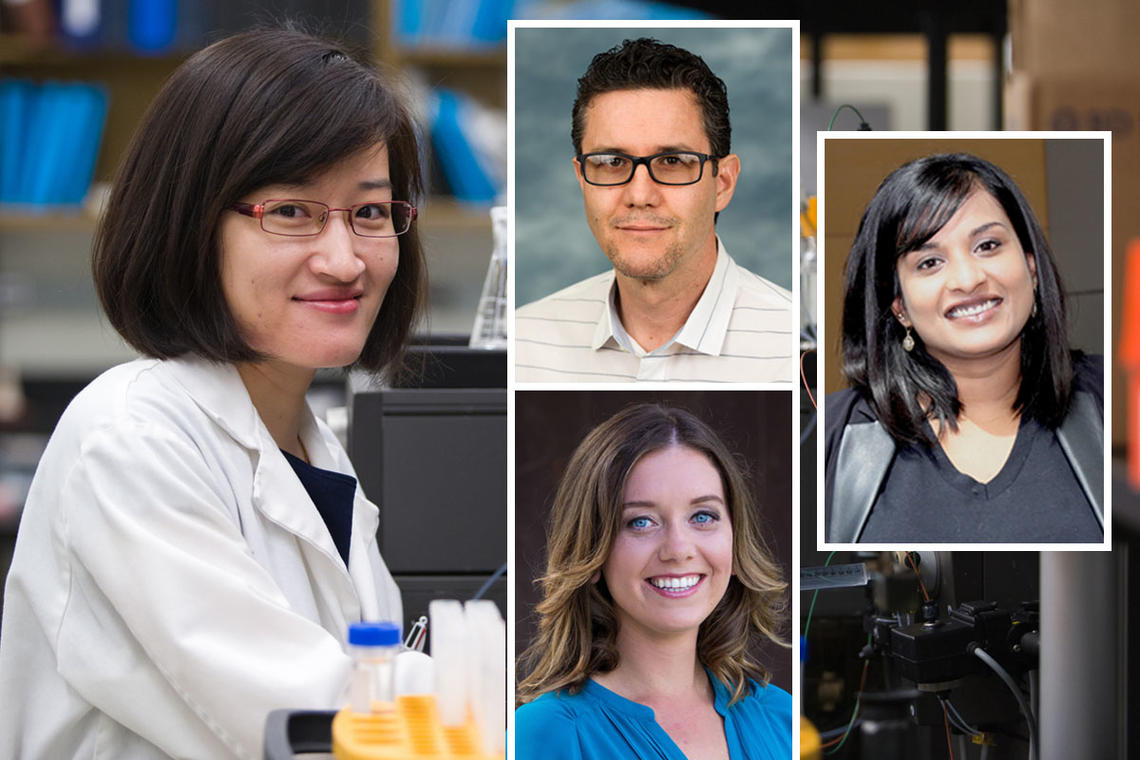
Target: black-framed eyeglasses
{"x":674,"y":167}
{"x":298,"y":218}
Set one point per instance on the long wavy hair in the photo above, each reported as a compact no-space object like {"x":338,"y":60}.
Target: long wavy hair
{"x":578,"y":623}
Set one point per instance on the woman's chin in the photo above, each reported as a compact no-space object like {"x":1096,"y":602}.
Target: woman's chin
{"x":326,"y":357}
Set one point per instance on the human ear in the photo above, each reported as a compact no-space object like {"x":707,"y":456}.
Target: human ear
{"x":900,"y":312}
{"x":1031,"y":262}
{"x":728,"y":171}
{"x":578,"y":173}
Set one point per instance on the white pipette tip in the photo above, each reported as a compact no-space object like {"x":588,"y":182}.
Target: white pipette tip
{"x":448,"y":645}
{"x":488,"y":684}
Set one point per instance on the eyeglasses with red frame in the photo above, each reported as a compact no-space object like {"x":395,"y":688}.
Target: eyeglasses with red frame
{"x":301,"y":218}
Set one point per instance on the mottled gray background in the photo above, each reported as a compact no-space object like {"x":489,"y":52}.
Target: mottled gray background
{"x":553,"y":245}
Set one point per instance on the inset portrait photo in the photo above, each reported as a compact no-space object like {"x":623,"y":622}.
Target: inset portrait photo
{"x":654,"y":222}
{"x":653,"y":553}
{"x":964,"y":340}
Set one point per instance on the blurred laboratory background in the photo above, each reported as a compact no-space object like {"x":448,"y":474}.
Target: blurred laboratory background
{"x":904,"y":65}
{"x":75,"y":79}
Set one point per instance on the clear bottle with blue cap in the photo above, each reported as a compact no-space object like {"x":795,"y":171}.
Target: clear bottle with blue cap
{"x":373,"y":647}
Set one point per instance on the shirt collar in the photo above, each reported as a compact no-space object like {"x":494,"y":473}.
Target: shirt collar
{"x":705,"y":329}
{"x":608,"y":320}
{"x":707,"y":325}
{"x":217,"y":388}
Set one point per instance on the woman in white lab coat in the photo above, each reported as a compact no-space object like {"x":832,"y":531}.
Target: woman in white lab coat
{"x":194,"y":544}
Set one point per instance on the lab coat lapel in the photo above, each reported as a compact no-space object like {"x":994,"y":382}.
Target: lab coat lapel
{"x":365,"y":519}
{"x":277,"y":492}
{"x":279,"y":495}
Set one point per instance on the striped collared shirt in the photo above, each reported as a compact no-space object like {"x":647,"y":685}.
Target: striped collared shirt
{"x":741,"y":330}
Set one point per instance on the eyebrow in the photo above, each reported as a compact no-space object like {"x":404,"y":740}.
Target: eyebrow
{"x":660,"y":149}
{"x":367,"y":184}
{"x":929,"y":246}
{"x":695,"y":500}
{"x":986,"y":226}
{"x":376,"y":184}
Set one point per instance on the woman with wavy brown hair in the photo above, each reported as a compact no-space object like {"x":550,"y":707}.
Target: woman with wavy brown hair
{"x":658,"y":590}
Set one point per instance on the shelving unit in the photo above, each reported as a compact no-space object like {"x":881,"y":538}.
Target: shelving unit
{"x":480,"y":72}
{"x":51,"y":330}
{"x":47,"y":221}
{"x":457,"y":236}
{"x":132,"y":82}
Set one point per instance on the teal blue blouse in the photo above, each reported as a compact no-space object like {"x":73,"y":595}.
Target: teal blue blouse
{"x":597,"y":724}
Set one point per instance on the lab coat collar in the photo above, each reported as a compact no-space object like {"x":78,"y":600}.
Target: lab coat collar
{"x":277,"y":492}
{"x":218,"y":390}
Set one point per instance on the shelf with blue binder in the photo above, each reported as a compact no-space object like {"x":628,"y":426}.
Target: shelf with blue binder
{"x":465,"y":147}
{"x":16,"y":50}
{"x":50,"y":134}
{"x":429,"y":57}
{"x":450,"y":24}
{"x":127,"y":83}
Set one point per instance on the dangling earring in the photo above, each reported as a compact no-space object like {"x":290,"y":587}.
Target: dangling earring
{"x":1034,"y":312}
{"x":908,"y":342}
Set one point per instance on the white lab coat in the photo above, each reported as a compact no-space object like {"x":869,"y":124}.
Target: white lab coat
{"x":172,"y":580}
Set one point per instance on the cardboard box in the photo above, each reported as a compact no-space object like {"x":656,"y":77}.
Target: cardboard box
{"x":1091,"y":102}
{"x":1073,"y":37}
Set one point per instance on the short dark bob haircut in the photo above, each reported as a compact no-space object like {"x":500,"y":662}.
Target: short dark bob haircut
{"x":909,"y":208}
{"x":578,"y":621}
{"x":648,"y":64}
{"x":259,"y":108}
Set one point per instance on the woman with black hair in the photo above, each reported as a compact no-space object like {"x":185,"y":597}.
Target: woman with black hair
{"x":195,"y":542}
{"x":968,"y":417}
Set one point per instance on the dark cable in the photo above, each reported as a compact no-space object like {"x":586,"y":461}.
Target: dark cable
{"x":807,"y":385}
{"x":946,"y":721}
{"x":487,"y":584}
{"x":863,"y":125}
{"x":954,"y":714}
{"x":807,"y":430}
{"x":1006,"y":678}
{"x":956,"y":719}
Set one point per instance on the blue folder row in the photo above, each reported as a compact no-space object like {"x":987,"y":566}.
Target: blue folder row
{"x":469,"y":168}
{"x":49,"y":140}
{"x":452,"y":23}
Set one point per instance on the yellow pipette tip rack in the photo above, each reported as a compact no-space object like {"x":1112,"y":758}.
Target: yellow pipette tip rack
{"x":410,"y":731}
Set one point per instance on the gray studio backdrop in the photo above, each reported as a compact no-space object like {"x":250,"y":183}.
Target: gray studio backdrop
{"x":553,"y":245}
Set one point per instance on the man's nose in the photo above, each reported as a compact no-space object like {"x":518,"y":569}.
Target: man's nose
{"x":642,"y":189}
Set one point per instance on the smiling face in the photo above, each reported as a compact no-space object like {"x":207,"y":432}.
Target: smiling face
{"x":969,"y":291}
{"x":672,"y":559}
{"x":310,"y":302}
{"x":649,"y":230}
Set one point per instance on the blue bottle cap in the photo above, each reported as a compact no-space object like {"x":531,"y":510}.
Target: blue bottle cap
{"x":373,"y":634}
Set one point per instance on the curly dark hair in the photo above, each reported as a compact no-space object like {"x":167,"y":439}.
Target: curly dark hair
{"x":649,"y":64}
